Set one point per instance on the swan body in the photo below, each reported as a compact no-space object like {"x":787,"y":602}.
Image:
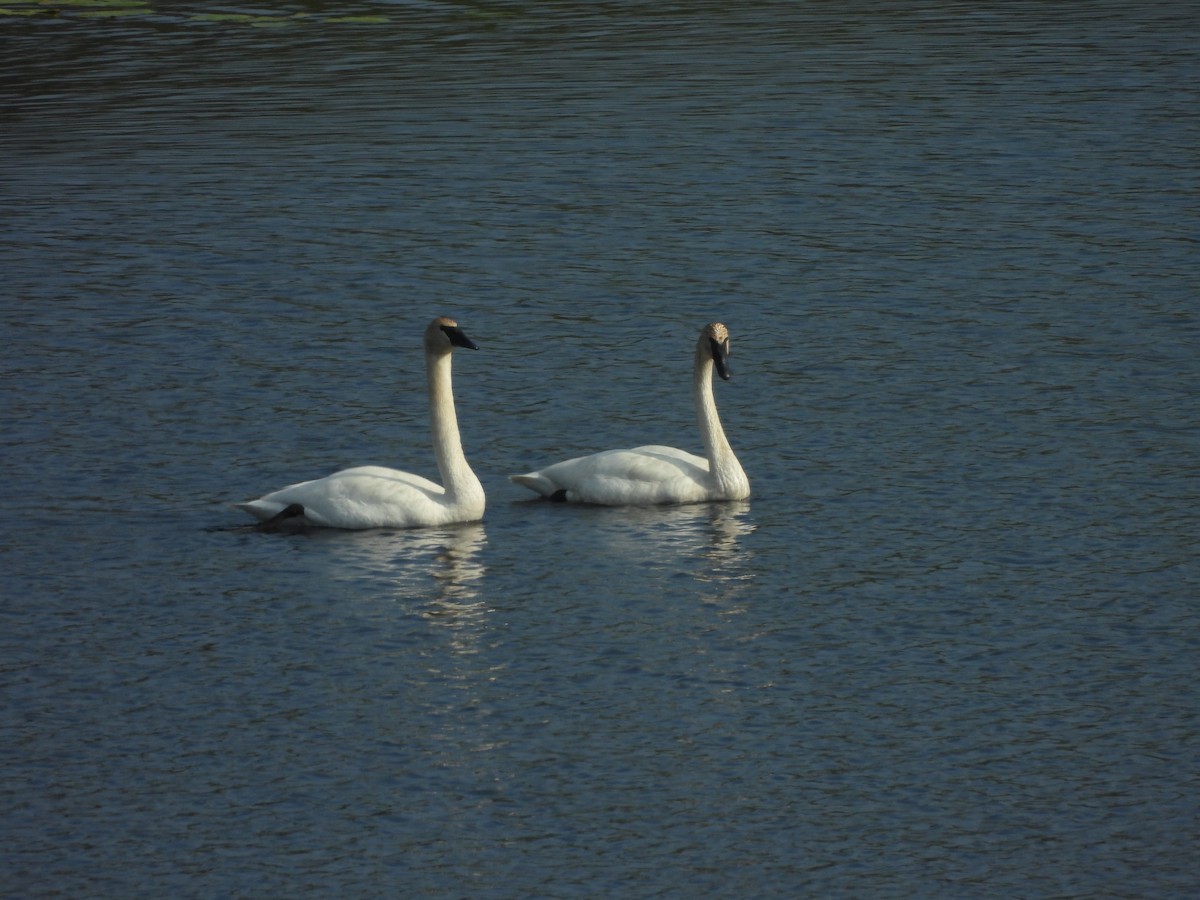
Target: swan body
{"x":378,"y":497}
{"x":653,"y":474}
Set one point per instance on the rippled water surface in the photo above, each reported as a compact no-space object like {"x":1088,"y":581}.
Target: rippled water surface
{"x":949,"y":646}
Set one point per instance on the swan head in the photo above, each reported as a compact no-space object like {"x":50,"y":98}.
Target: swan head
{"x":714,"y":343}
{"x":443,"y":335}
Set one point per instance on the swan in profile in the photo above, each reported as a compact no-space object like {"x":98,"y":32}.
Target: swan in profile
{"x":654,"y":474}
{"x":376,"y":497}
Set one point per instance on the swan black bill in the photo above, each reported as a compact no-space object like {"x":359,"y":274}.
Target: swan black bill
{"x":458,"y":339}
{"x":720,"y":359}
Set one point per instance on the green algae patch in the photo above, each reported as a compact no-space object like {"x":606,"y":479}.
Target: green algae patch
{"x":359,"y":20}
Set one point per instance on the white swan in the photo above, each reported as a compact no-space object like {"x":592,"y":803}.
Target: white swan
{"x":653,"y":474}
{"x":376,"y":497}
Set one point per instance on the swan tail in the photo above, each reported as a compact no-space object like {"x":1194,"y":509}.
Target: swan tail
{"x":261,"y":509}
{"x":536,"y":482}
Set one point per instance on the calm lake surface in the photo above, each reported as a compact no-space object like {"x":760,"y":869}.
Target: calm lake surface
{"x":950,"y":646}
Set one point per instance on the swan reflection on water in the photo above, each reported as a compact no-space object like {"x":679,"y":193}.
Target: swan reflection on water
{"x":441,"y":567}
{"x":704,"y":540}
{"x":458,"y":573}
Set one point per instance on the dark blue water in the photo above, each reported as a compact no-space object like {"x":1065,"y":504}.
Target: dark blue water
{"x":948,"y":648}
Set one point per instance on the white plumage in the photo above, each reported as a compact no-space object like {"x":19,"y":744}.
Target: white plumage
{"x":655,"y":474}
{"x":374,"y":496}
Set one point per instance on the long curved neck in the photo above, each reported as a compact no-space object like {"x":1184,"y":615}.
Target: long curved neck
{"x":457,"y":478}
{"x":723,"y":466}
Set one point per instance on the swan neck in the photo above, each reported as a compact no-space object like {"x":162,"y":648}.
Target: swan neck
{"x":723,"y":466}
{"x":457,"y":477}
